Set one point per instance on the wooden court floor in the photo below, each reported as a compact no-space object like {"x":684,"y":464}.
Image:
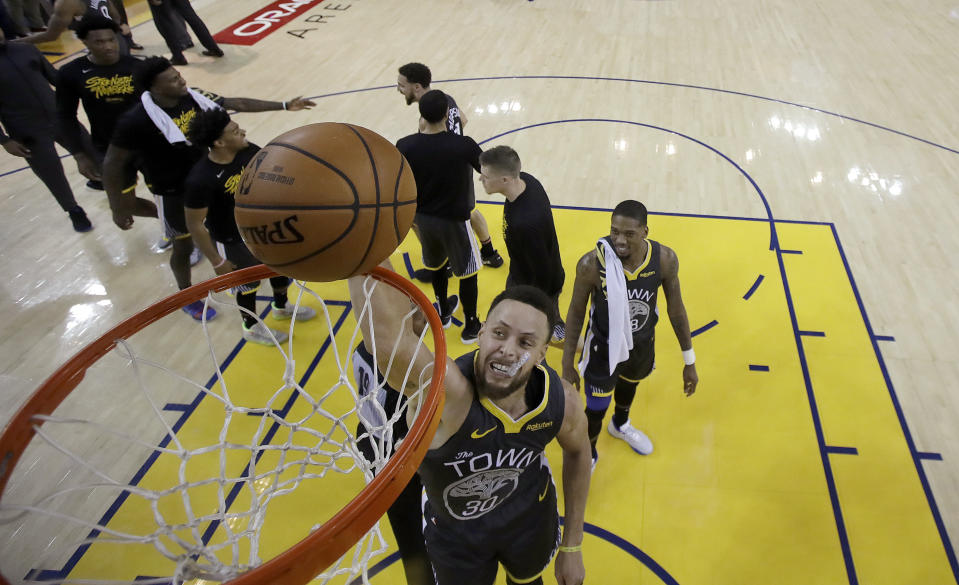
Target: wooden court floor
{"x":801,"y":159}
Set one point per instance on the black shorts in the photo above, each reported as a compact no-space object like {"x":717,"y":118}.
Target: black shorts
{"x":170,"y":210}
{"x":241,"y":257}
{"x":448,"y":240}
{"x":639,"y":364}
{"x":467,"y":553}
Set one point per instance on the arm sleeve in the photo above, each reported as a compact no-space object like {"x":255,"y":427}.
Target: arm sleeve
{"x":68,"y":100}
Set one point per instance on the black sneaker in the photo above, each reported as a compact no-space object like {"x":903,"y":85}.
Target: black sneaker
{"x":447,"y":318}
{"x":178,"y":60}
{"x":81,"y":222}
{"x":212,"y":53}
{"x":493,"y":260}
{"x":95,"y":185}
{"x":470,"y":331}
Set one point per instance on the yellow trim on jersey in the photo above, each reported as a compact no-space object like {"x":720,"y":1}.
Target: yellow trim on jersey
{"x":509,"y":424}
{"x":649,"y":254}
{"x":629,"y":274}
{"x":628,"y":380}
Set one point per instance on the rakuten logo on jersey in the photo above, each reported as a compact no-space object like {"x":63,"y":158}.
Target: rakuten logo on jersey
{"x":253,"y":28}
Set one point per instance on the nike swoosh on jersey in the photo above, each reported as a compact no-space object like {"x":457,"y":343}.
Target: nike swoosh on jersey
{"x":220,"y":174}
{"x":86,"y":70}
{"x":479,"y":435}
{"x":542,"y":496}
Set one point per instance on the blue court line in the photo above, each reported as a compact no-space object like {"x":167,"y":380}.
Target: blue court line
{"x":812,"y":333}
{"x":758,"y":368}
{"x":661,"y":83}
{"x":916,"y":455}
{"x":790,"y":251}
{"x":188,"y":410}
{"x":929,"y":456}
{"x":704,"y":328}
{"x":817,"y":425}
{"x":883,"y":337}
{"x":753,"y":288}
{"x":842,"y":450}
{"x":275,"y":427}
{"x":773,"y":237}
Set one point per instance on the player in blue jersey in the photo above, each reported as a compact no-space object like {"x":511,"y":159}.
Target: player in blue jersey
{"x":491,"y":499}
{"x":622,"y":276}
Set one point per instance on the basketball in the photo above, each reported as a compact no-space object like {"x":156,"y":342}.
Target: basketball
{"x":325,"y":201}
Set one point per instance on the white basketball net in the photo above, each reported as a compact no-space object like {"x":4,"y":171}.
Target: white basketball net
{"x":208,"y":503}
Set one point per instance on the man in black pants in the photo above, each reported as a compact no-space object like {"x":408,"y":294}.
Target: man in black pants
{"x":154,"y":132}
{"x":528,"y":227}
{"x":210,"y":189}
{"x":442,"y":165}
{"x":29,"y":117}
{"x":184,"y":9}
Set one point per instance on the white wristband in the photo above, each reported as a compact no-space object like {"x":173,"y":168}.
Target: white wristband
{"x":222,"y":262}
{"x":284,"y":105}
{"x":689,"y":357}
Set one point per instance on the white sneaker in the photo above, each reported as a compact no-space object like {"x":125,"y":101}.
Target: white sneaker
{"x":195,"y":256}
{"x":635,"y":437}
{"x":303,"y":313}
{"x":261,"y":334}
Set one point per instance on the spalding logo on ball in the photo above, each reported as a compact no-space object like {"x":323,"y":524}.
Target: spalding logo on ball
{"x":325,"y":201}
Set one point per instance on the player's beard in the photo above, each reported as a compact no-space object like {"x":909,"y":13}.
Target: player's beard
{"x":496,"y":392}
{"x":410,"y":99}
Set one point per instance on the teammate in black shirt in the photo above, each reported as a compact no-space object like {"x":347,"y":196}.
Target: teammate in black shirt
{"x":645,"y":265}
{"x":442,"y":165}
{"x":528,"y":227}
{"x":413,"y":82}
{"x":491,"y":497}
{"x":210,"y":188}
{"x":154,"y":132}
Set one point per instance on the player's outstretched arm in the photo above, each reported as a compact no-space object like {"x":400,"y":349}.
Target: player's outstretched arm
{"x":385,"y":316}
{"x":587,"y":276}
{"x":241,"y":104}
{"x":677,"y":316}
{"x":577,"y":454}
{"x":63,"y":12}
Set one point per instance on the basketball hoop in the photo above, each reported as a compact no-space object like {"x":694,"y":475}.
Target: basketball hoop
{"x":320,"y":445}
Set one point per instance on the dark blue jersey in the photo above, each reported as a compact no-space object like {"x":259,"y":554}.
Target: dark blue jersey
{"x":642,"y":288}
{"x":493,"y":467}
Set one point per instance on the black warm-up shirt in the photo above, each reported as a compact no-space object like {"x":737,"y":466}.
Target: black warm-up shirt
{"x":531,"y":241}
{"x":165,"y":165}
{"x":442,"y":166}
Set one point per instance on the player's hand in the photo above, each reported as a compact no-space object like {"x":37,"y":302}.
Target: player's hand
{"x":569,"y":568}
{"x":123,"y":219}
{"x":571,"y":375}
{"x":17,"y":149}
{"x":224,"y":268}
{"x":690,"y":380}
{"x":299,"y":103}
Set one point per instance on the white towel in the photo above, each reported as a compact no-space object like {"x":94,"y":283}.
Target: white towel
{"x":164,"y":122}
{"x":620,"y":328}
